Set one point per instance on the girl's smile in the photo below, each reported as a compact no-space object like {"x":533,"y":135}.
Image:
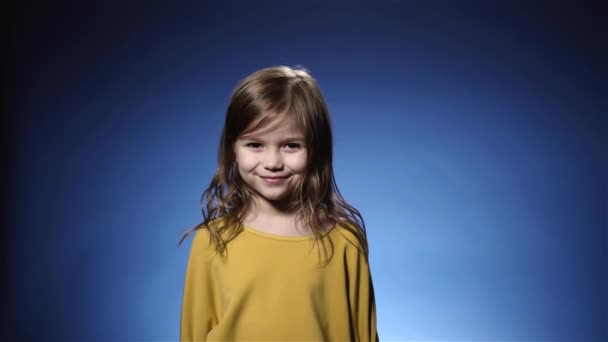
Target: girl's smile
{"x":274,"y":180}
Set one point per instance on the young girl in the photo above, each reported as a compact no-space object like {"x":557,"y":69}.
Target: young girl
{"x":280,"y":255}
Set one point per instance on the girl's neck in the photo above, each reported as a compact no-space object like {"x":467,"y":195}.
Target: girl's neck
{"x":271,"y":214}
{"x":273,"y":209}
{"x":273,"y":217}
{"x":265,"y":216}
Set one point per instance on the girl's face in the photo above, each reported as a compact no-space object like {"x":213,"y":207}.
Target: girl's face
{"x":270,"y":161}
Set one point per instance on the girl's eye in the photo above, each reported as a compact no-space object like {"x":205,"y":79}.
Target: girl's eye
{"x":258,"y":145}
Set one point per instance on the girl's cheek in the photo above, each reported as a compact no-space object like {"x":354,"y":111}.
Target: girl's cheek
{"x":247,"y":161}
{"x":298,"y":162}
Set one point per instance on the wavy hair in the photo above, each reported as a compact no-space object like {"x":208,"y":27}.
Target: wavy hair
{"x":268,"y":96}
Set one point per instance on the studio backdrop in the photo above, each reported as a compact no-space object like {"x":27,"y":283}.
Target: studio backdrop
{"x":470,"y":135}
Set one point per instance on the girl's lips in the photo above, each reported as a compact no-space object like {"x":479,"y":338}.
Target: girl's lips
{"x":274,"y":180}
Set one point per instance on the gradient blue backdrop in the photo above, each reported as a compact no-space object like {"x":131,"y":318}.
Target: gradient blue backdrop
{"x":471,"y":137}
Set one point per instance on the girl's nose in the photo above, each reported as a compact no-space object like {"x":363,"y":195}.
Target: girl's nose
{"x":273,"y":160}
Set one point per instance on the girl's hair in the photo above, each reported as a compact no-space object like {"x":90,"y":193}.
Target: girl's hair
{"x":263,"y":98}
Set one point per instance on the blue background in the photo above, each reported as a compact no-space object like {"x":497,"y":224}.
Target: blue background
{"x":470,"y":136}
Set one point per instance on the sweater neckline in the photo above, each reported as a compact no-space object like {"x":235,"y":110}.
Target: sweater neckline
{"x":281,"y":237}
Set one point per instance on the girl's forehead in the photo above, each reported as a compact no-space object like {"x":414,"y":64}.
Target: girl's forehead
{"x":279,"y":129}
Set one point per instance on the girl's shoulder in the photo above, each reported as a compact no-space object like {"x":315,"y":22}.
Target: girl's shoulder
{"x":201,"y":238}
{"x":347,"y":236}
{"x":201,"y":241}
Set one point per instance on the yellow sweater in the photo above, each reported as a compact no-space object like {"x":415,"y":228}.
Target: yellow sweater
{"x":272,"y":288}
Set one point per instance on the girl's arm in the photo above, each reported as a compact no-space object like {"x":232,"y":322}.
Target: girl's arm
{"x":361,"y":297}
{"x":198,"y":314}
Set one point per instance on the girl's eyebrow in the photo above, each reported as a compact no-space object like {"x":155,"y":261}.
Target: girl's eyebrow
{"x":301,"y":139}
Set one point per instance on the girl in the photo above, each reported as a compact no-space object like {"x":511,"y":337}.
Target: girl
{"x":251,"y":273}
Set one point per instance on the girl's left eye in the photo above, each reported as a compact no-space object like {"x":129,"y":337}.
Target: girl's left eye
{"x":289,"y":145}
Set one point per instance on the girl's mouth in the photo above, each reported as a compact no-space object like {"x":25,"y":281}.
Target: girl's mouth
{"x":274,"y":180}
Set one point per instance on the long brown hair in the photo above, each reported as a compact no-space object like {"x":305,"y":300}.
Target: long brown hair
{"x":266,"y":96}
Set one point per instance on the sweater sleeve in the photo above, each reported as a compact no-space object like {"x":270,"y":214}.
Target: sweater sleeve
{"x":198,"y":314}
{"x":362,"y":299}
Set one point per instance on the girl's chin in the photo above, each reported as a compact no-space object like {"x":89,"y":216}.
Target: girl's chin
{"x":273,"y":196}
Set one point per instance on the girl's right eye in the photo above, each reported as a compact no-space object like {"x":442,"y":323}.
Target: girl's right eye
{"x":253,"y":145}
